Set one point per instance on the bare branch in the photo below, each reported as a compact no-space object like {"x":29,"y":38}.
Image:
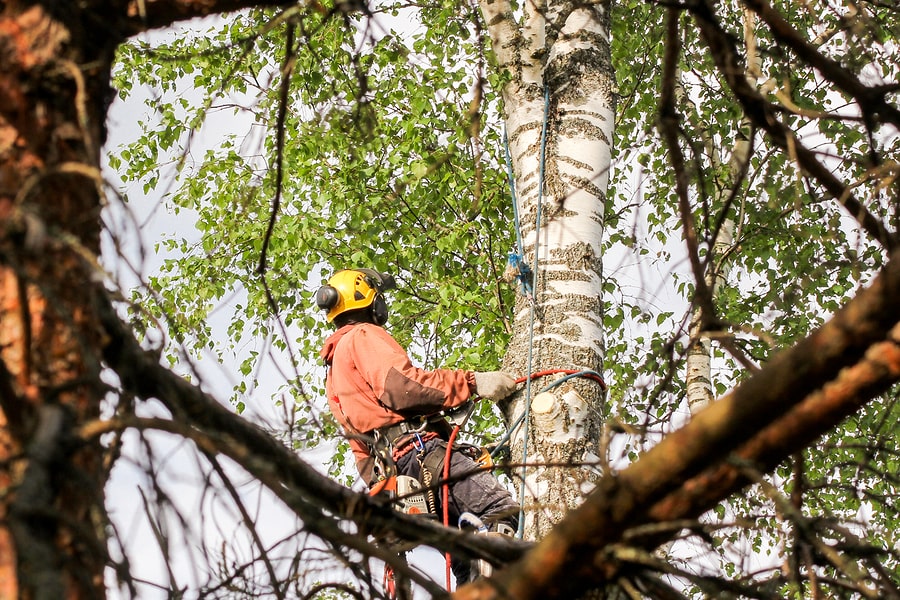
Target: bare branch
{"x":141,"y":15}
{"x":872,"y":100}
{"x":312,"y":496}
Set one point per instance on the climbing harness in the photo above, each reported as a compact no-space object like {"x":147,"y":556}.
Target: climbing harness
{"x":407,"y":494}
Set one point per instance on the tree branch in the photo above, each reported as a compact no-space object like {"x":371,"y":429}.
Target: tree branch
{"x":504,"y":33}
{"x":871,"y":100}
{"x":668,"y":125}
{"x":764,"y":116}
{"x":799,"y":426}
{"x":142,"y":15}
{"x":287,"y":69}
{"x":571,"y":558}
{"x":316,"y":499}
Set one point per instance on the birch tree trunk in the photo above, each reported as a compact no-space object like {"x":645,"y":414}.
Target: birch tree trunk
{"x":559,"y":112}
{"x":699,"y":377}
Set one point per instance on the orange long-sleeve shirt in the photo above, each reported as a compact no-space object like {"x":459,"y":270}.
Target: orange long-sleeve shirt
{"x":371,"y":383}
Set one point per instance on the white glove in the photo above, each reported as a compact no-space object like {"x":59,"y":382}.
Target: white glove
{"x":495,"y":385}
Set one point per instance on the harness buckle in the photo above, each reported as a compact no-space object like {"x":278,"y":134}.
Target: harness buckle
{"x":421,"y":427}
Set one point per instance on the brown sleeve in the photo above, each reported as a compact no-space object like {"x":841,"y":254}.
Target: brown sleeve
{"x":409,"y":396}
{"x":365,"y":464}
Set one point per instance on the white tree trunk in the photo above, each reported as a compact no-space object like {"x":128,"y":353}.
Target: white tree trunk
{"x":563,"y":327}
{"x":699,"y":378}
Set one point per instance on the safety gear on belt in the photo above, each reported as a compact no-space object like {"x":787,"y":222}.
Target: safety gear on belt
{"x":352,"y":289}
{"x":405,"y":492}
{"x":393,"y":433}
{"x":495,"y":385}
{"x":398,"y":434}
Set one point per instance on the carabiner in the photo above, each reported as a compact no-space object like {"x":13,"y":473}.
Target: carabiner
{"x":421,"y":427}
{"x":418,"y":442}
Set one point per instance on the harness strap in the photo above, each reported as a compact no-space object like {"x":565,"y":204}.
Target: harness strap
{"x":398,"y":437}
{"x":434,"y":460}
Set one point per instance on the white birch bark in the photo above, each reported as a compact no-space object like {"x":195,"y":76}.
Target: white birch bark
{"x":699,"y":378}
{"x":566,"y":49}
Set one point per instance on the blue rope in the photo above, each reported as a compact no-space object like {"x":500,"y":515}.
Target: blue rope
{"x":516,"y":260}
{"x":512,"y":189}
{"x":537,"y":240}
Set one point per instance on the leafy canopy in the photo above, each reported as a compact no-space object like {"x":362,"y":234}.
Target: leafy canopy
{"x":380,"y":169}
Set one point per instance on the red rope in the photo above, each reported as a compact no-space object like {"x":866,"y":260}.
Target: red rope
{"x":445,"y":495}
{"x":593,"y":376}
{"x":389,"y":582}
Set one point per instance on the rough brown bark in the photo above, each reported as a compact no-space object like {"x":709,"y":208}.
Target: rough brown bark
{"x":55,"y":62}
{"x":52,"y":86}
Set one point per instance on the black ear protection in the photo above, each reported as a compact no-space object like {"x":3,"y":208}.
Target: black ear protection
{"x":327,"y":297}
{"x":379,"y":309}
{"x":378,"y":282}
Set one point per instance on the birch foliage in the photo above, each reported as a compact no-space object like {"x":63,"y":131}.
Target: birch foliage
{"x":392,"y":155}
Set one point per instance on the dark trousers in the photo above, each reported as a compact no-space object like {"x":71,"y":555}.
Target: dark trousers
{"x":479,"y":493}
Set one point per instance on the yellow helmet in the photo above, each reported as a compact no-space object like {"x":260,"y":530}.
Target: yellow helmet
{"x":352,"y":289}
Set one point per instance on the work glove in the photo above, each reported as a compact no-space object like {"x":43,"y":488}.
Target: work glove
{"x":495,"y":385}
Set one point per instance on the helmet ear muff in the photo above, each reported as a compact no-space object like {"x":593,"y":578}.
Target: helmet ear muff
{"x":376,"y":281}
{"x":327,"y":297}
{"x":379,"y":310}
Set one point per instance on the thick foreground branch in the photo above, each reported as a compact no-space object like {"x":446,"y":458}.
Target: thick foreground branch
{"x":318,"y":501}
{"x":797,"y":428}
{"x":786,"y":405}
{"x":154,"y":14}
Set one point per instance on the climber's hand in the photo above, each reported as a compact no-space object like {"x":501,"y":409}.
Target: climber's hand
{"x":495,"y":385}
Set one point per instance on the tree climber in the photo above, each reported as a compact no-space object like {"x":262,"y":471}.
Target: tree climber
{"x":389,"y":409}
